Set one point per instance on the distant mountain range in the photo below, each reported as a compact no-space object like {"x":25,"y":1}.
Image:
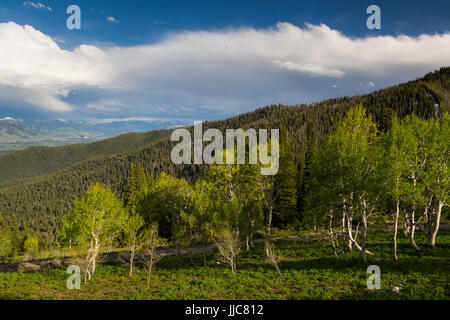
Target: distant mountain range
{"x":17,"y":134}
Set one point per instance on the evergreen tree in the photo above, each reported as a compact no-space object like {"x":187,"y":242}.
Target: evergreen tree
{"x":5,"y":238}
{"x":16,"y":237}
{"x":137,"y":179}
{"x":387,"y":119}
{"x":304,"y":168}
{"x":300,"y":184}
{"x":285,"y":180}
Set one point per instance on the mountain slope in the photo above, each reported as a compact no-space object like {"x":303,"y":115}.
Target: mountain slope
{"x":42,"y":201}
{"x":10,"y":129}
{"x":37,"y":161}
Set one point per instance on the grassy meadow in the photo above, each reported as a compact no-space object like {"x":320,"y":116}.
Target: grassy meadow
{"x":310,"y":271}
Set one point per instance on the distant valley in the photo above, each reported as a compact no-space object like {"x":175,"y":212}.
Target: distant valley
{"x":17,"y":134}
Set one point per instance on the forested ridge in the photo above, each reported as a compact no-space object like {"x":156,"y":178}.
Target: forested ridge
{"x":56,"y":179}
{"x":38,"y":161}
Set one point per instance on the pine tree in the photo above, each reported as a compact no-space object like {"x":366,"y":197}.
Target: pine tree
{"x":16,"y":237}
{"x":304,"y":168}
{"x":387,"y":119}
{"x":5,"y":238}
{"x":137,"y":179}
{"x":300,"y":184}
{"x":285,"y":180}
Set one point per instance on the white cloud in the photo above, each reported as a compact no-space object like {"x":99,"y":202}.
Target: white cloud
{"x":33,"y":63}
{"x":225,"y":72}
{"x":33,"y":98}
{"x":36,"y":5}
{"x":369,"y":84}
{"x":108,"y":105}
{"x":112,"y":19}
{"x":312,"y":69}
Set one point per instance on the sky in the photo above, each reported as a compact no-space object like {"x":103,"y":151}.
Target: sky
{"x":205,"y":60}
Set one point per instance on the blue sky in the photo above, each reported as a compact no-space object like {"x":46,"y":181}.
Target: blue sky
{"x":207,"y":59}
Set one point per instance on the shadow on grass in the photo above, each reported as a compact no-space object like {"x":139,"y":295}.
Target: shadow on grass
{"x":297,"y":255}
{"x":426,"y":261}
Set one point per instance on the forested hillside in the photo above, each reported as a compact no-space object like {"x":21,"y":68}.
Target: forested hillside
{"x":40,"y":202}
{"x":38,"y":161}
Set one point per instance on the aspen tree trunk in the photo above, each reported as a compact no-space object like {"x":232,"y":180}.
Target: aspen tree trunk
{"x":150,"y":268}
{"x":86,"y":268}
{"x":331,"y":234}
{"x":397,"y":212}
{"x":344,"y":245}
{"x":95,"y":255}
{"x":91,"y":258}
{"x":364,"y":237}
{"x":132,"y":260}
{"x":347,"y":213}
{"x":412,"y":229}
{"x":268,"y":225}
{"x":252,"y":224}
{"x":352,"y":241}
{"x":350,"y":224}
{"x":94,"y":262}
{"x":412,"y":223}
{"x":434,"y":227}
{"x":406,"y":225}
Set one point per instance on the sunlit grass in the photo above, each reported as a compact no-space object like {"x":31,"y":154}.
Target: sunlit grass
{"x":310,"y":272}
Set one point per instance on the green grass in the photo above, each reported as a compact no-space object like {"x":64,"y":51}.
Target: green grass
{"x":310,"y":272}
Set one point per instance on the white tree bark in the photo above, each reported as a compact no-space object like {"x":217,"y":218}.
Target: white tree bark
{"x":412,"y":229}
{"x":434,"y":223}
{"x":397,"y":212}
